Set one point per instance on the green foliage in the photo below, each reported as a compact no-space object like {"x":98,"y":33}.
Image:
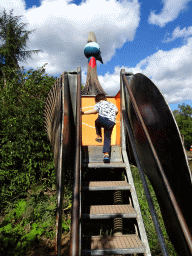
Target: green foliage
{"x":25,"y":152}
{"x":30,"y":220}
{"x":66,"y":224}
{"x":149,"y":226}
{"x":13,"y":37}
{"x":27,"y":214}
{"x":184,"y":121}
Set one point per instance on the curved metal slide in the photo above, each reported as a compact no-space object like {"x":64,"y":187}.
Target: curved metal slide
{"x":161,"y":153}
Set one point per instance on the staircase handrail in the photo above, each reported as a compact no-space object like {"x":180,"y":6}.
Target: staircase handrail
{"x":75,"y":219}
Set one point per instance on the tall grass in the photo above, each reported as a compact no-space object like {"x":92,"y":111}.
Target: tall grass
{"x":149,"y":226}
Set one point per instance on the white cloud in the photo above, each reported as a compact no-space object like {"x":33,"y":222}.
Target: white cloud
{"x":62,"y":30}
{"x":111,"y":82}
{"x":171,"y":10}
{"x":169,"y":70}
{"x":178,"y":33}
{"x":18,"y":6}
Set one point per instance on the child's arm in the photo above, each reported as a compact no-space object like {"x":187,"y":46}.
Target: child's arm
{"x":92,"y":111}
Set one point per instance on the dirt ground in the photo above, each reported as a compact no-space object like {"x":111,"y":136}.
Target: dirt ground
{"x":48,"y":247}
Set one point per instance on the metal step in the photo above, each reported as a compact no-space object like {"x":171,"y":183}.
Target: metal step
{"x":123,"y":244}
{"x":106,"y":185}
{"x":110,"y":211}
{"x":94,"y":154}
{"x":104,"y":165}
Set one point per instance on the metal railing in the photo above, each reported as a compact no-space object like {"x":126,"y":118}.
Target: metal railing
{"x":53,"y":118}
{"x":179,"y":214}
{"x":75,"y":219}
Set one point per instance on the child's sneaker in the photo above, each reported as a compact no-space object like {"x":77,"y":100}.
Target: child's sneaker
{"x":99,"y":139}
{"x":106,"y":158}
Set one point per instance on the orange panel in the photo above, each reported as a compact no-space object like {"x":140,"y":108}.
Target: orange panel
{"x":88,"y":123}
{"x":118,"y":135}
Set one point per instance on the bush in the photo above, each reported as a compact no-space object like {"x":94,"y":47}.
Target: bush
{"x":31,"y":220}
{"x":147,"y":219}
{"x":25,"y":152}
{"x":183,"y":118}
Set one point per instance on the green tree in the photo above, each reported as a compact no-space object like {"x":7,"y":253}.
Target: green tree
{"x":176,"y":112}
{"x":184,"y":121}
{"x":13,"y":41}
{"x":185,"y":110}
{"x":25,"y":153}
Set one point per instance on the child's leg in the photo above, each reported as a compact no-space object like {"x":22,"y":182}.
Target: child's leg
{"x":107,"y":140}
{"x":98,"y":127}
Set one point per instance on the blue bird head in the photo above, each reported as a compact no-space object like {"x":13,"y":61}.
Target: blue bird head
{"x":92,"y":49}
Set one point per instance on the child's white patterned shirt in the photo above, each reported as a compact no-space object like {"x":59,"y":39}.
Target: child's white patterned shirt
{"x":106,"y":109}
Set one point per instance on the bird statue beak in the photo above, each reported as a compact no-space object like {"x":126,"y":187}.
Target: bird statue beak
{"x":100,"y":59}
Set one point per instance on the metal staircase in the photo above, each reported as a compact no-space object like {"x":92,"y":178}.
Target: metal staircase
{"x":110,"y":225}
{"x":106,"y":218}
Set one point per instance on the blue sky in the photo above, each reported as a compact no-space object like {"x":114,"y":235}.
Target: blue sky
{"x":152,"y":37}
